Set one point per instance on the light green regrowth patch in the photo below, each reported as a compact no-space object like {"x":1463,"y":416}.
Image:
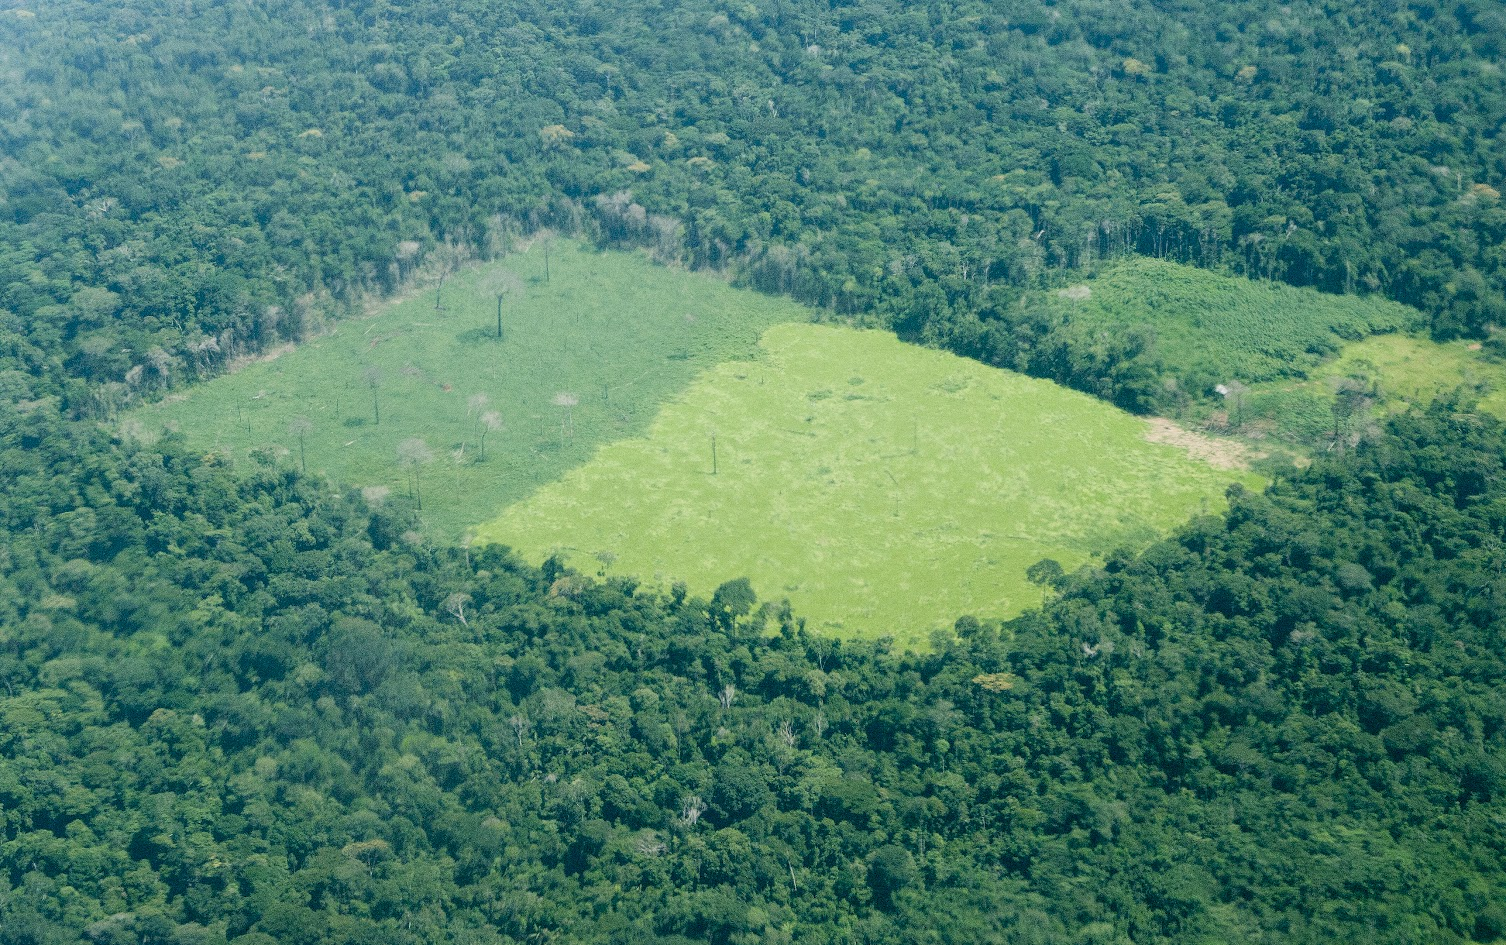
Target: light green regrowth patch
{"x":1413,"y":371}
{"x":880,"y":487}
{"x":1396,"y":372}
{"x":585,"y":357}
{"x":1212,"y":328}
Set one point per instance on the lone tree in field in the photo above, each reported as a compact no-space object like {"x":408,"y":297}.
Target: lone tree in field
{"x":300,"y":427}
{"x":502,"y":283}
{"x":546,"y":240}
{"x":475,"y":406}
{"x":373,"y":377}
{"x":491,"y":421}
{"x":412,"y":454}
{"x":442,"y":263}
{"x":567,"y":422}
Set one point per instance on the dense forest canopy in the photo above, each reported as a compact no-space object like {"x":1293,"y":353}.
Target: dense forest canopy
{"x":243,"y":705}
{"x":185,"y":182}
{"x":246,"y":709}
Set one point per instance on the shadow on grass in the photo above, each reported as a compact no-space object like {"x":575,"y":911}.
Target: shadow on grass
{"x":476,"y":335}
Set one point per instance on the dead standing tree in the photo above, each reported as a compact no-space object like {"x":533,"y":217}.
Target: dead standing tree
{"x":455,"y":605}
{"x":491,"y":421}
{"x":412,"y":454}
{"x":504,"y":284}
{"x":442,"y":263}
{"x":475,"y":409}
{"x":374,"y":380}
{"x":567,"y":423}
{"x":300,"y":427}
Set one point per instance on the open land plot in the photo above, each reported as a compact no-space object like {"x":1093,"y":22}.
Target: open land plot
{"x":1395,"y":372}
{"x":882,"y":488}
{"x":1413,"y":371}
{"x":403,"y":398}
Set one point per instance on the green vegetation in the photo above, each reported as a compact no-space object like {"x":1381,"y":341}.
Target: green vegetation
{"x":245,"y":705}
{"x":585,"y":357}
{"x":240,"y":710}
{"x":1206,"y":328}
{"x":1383,"y":374}
{"x":1159,"y":337}
{"x":1412,"y":371}
{"x":180,"y":177}
{"x":882,"y":488}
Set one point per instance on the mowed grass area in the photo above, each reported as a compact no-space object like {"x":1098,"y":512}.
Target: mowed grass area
{"x":609,"y":332}
{"x":1216,"y":328}
{"x":1403,"y":370}
{"x":882,"y":488}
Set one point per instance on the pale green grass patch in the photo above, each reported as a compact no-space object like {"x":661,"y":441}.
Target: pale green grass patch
{"x":1404,"y":370}
{"x":610,"y":330}
{"x":884,"y":489}
{"x":1413,"y":371}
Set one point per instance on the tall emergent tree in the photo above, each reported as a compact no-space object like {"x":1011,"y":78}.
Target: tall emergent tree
{"x":412,"y":454}
{"x":300,"y":427}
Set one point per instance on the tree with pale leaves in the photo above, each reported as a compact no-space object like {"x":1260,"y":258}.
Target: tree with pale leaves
{"x":412,"y":454}
{"x":491,"y":422}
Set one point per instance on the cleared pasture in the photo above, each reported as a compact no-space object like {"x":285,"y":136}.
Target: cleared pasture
{"x":882,"y":488}
{"x":1393,"y":372}
{"x":399,"y":402}
{"x":1211,"y":328}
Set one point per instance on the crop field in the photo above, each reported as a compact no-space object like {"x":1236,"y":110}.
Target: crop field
{"x":401,"y":401}
{"x":1223,"y":328}
{"x":884,"y":489}
{"x":1403,"y":370}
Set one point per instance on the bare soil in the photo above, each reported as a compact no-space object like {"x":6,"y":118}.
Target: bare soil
{"x":1216,"y":452}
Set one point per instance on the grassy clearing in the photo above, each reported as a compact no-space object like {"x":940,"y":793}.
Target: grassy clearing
{"x":1413,"y":371}
{"x":1403,"y":370}
{"x":609,"y":331}
{"x":1215,"y":328}
{"x":880,"y":487}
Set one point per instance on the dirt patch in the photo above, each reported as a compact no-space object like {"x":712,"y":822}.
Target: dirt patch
{"x":261,"y":357}
{"x":1218,"y":453}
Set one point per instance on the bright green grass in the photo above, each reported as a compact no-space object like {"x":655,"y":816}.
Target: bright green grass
{"x":1414,"y":371}
{"x":616,"y":332}
{"x":1408,"y":371}
{"x":882,"y":488}
{"x":1218,"y":328}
